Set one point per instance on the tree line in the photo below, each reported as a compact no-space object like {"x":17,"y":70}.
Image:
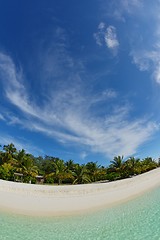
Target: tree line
{"x":57,"y":171}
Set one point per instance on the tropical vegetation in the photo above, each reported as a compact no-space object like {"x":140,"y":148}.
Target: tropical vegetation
{"x":54,"y":170}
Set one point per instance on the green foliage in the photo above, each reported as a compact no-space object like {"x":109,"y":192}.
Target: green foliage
{"x":93,"y":171}
{"x":60,"y":172}
{"x":7,"y":171}
{"x":55,"y":170}
{"x":123,"y":169}
{"x":112,"y":176}
{"x":25,"y":165}
{"x":117,"y":162}
{"x":49,"y":179}
{"x":8,"y":154}
{"x":80,"y":174}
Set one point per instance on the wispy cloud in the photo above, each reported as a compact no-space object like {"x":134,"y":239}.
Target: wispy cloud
{"x":99,"y":36}
{"x":148,"y":60}
{"x":14,"y":89}
{"x":131,"y":5}
{"x":20,"y":143}
{"x":83,"y":155}
{"x":146,"y":53}
{"x":120,"y":8}
{"x":69,"y":112}
{"x":2,"y":117}
{"x":107,"y":36}
{"x":143,"y":32}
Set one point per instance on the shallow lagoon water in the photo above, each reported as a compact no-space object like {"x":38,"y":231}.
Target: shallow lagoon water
{"x":134,"y":220}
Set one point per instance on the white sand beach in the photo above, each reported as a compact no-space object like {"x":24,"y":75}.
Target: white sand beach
{"x":40,"y":200}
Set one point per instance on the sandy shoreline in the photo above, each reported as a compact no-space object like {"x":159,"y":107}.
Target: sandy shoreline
{"x":39,"y":200}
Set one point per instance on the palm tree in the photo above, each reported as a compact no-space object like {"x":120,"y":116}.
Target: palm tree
{"x":80,"y":174}
{"x":25,"y":165}
{"x":117,"y":163}
{"x":9,"y":153}
{"x":61,"y":171}
{"x":117,"y":168}
{"x":10,"y":148}
{"x":148,"y":164}
{"x":93,"y":171}
{"x":133,"y":165}
{"x":70,"y":165}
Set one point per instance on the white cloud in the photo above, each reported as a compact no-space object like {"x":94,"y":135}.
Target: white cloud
{"x":13,"y":120}
{"x":83,"y":155}
{"x":107,"y":36}
{"x":101,"y":26}
{"x":14,"y":89}
{"x":122,"y":7}
{"x":156,"y":73}
{"x":105,"y":95}
{"x":145,"y":44}
{"x":20,"y":143}
{"x":68,"y":117}
{"x":131,"y":5}
{"x":111,"y":38}
{"x":99,"y":37}
{"x":112,"y":137}
{"x":2,"y":117}
{"x":109,"y":93}
{"x":99,"y":40}
{"x":148,"y":60}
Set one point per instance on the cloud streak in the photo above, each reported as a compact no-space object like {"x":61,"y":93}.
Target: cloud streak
{"x":146,"y":54}
{"x":120,"y":8}
{"x":2,"y":117}
{"x":70,"y":113}
{"x":20,"y":144}
{"x":143,"y":32}
{"x":148,"y":60}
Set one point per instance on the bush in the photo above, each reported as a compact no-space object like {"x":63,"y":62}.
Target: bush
{"x":113,"y":176}
{"x":49,"y":179}
{"x":7,"y":172}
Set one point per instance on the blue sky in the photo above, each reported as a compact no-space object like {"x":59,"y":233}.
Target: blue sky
{"x":80,"y":79}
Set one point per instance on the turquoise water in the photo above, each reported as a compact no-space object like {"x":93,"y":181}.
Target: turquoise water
{"x":136,"y":219}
